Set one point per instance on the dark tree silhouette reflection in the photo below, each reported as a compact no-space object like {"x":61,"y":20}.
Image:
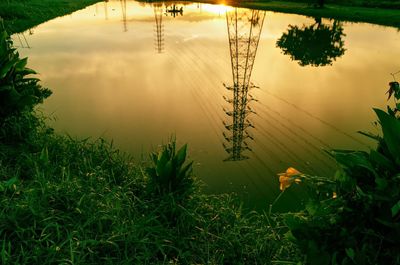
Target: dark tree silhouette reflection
{"x":315,"y":45}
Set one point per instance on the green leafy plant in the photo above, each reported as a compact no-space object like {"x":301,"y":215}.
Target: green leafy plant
{"x":354,"y":218}
{"x":19,"y":91}
{"x":169,"y":173}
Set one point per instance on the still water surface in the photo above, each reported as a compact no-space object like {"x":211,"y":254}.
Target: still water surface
{"x":251,"y":94}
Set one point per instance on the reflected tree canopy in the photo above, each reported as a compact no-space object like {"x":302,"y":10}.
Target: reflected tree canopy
{"x":315,"y":45}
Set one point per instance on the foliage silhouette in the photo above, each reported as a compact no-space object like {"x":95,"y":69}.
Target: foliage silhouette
{"x":354,"y":217}
{"x":169,"y":173}
{"x":19,"y":91}
{"x":315,"y":45}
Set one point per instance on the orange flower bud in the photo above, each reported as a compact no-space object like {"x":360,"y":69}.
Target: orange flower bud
{"x":286,"y":179}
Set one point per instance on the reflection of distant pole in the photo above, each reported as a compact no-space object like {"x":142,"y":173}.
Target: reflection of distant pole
{"x":159,"y":30}
{"x":106,"y":9}
{"x":23,"y":41}
{"x":244,"y":29}
{"x":123,"y":10}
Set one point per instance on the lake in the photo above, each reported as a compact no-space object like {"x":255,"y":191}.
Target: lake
{"x":251,"y":92}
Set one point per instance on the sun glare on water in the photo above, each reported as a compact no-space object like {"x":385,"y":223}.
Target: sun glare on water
{"x":216,"y":9}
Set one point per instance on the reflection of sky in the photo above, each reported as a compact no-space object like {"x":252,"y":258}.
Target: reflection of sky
{"x":111,"y":83}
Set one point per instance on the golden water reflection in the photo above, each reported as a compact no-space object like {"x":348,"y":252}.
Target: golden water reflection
{"x":109,"y":80}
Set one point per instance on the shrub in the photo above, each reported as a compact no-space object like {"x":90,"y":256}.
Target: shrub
{"x":354,"y":218}
{"x":19,"y":91}
{"x":169,"y":174}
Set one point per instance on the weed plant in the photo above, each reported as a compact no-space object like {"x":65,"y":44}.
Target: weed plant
{"x":354,"y":218}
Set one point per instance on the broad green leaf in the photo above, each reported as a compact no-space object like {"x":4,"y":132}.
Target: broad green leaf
{"x":28,"y":71}
{"x":370,"y":135}
{"x":387,"y":223}
{"x":185,"y":171}
{"x":44,"y":155}
{"x":181,"y":156}
{"x":391,"y":133}
{"x":162,"y":160}
{"x":381,"y":160}
{"x":166,"y":171}
{"x":7,"y":67}
{"x":294,"y":221}
{"x":341,"y":176}
{"x":334,"y":258}
{"x":390,"y":111}
{"x":27,"y":101}
{"x":31,"y":79}
{"x":381,"y":183}
{"x":289,"y":236}
{"x":11,"y":182}
{"x":311,"y":208}
{"x":13,"y":96}
{"x":396,"y":209}
{"x":352,"y":159}
{"x":154,"y":158}
{"x":361,"y":192}
{"x":350,"y":253}
{"x":20,"y":65}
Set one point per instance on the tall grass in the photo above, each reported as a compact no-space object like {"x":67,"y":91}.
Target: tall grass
{"x":83,"y":202}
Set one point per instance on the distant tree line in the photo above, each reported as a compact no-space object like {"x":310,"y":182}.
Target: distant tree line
{"x":392,"y":4}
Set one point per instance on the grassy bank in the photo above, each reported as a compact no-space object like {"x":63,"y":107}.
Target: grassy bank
{"x":68,"y":201}
{"x":381,"y":16}
{"x":388,"y":4}
{"x":388,"y":17}
{"x":20,"y":15}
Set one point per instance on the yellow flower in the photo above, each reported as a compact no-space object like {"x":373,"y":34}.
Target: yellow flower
{"x":286,"y":179}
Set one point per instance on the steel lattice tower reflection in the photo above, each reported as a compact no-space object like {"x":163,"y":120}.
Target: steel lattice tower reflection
{"x":123,"y":11}
{"x":159,"y":27}
{"x":244,"y":29}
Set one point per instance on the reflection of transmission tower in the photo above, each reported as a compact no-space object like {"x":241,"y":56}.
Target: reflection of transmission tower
{"x":123,"y":10}
{"x":23,"y":41}
{"x":106,"y":9}
{"x":244,"y":28}
{"x":159,"y":28}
